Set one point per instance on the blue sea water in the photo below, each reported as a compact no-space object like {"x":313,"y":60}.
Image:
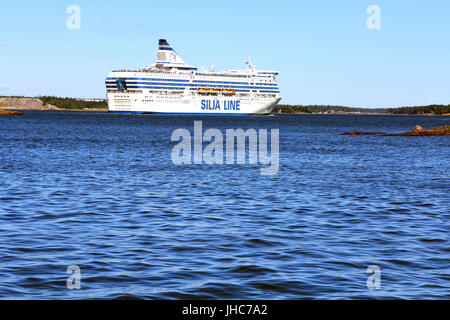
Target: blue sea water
{"x":100,"y":191}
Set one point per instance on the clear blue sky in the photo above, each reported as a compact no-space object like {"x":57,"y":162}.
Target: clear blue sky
{"x":323,"y":49}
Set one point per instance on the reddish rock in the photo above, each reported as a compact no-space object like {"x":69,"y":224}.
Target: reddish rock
{"x":417,"y":131}
{"x":10,"y":113}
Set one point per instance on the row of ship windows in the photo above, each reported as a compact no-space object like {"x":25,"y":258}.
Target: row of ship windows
{"x":167,"y":81}
{"x":174,"y":88}
{"x":195,"y":85}
{"x":227,"y":82}
{"x":177,"y":88}
{"x":169,"y":101}
{"x":153,"y":79}
{"x":130,"y":84}
{"x":220,"y":75}
{"x":124,"y":99}
{"x":121,"y":102}
{"x":179,"y":80}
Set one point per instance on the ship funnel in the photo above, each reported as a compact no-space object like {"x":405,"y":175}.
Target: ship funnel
{"x":166,"y":54}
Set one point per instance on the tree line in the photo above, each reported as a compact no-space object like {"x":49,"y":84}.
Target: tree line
{"x":438,"y":109}
{"x":72,"y":103}
{"x":431,"y":109}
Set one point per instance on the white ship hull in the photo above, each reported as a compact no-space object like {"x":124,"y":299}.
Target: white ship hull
{"x":168,"y":104}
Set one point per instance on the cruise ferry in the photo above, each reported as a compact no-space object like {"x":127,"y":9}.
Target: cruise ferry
{"x":170,"y":86}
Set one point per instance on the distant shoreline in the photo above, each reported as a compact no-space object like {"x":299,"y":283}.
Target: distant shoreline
{"x":26,"y":108}
{"x":368,"y":114}
{"x":49,"y":103}
{"x":22,"y":109}
{"x":330,"y":109}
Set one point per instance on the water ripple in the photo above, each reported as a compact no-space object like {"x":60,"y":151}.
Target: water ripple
{"x":99,"y":191}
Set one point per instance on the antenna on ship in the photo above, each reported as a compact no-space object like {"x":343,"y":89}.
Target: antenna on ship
{"x":251,"y":66}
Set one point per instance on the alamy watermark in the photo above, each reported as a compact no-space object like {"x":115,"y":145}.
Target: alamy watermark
{"x":374,"y":280}
{"x":74,"y":20}
{"x":74,"y":280}
{"x":213,"y":152}
{"x":374,"y":20}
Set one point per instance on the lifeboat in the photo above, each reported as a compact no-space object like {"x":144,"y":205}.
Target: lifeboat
{"x":208,"y":90}
{"x":228,"y":91}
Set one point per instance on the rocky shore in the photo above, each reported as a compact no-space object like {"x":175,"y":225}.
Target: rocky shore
{"x":417,"y":131}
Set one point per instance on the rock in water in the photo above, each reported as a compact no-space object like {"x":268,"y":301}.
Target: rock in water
{"x":417,"y":131}
{"x":10,"y":113}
